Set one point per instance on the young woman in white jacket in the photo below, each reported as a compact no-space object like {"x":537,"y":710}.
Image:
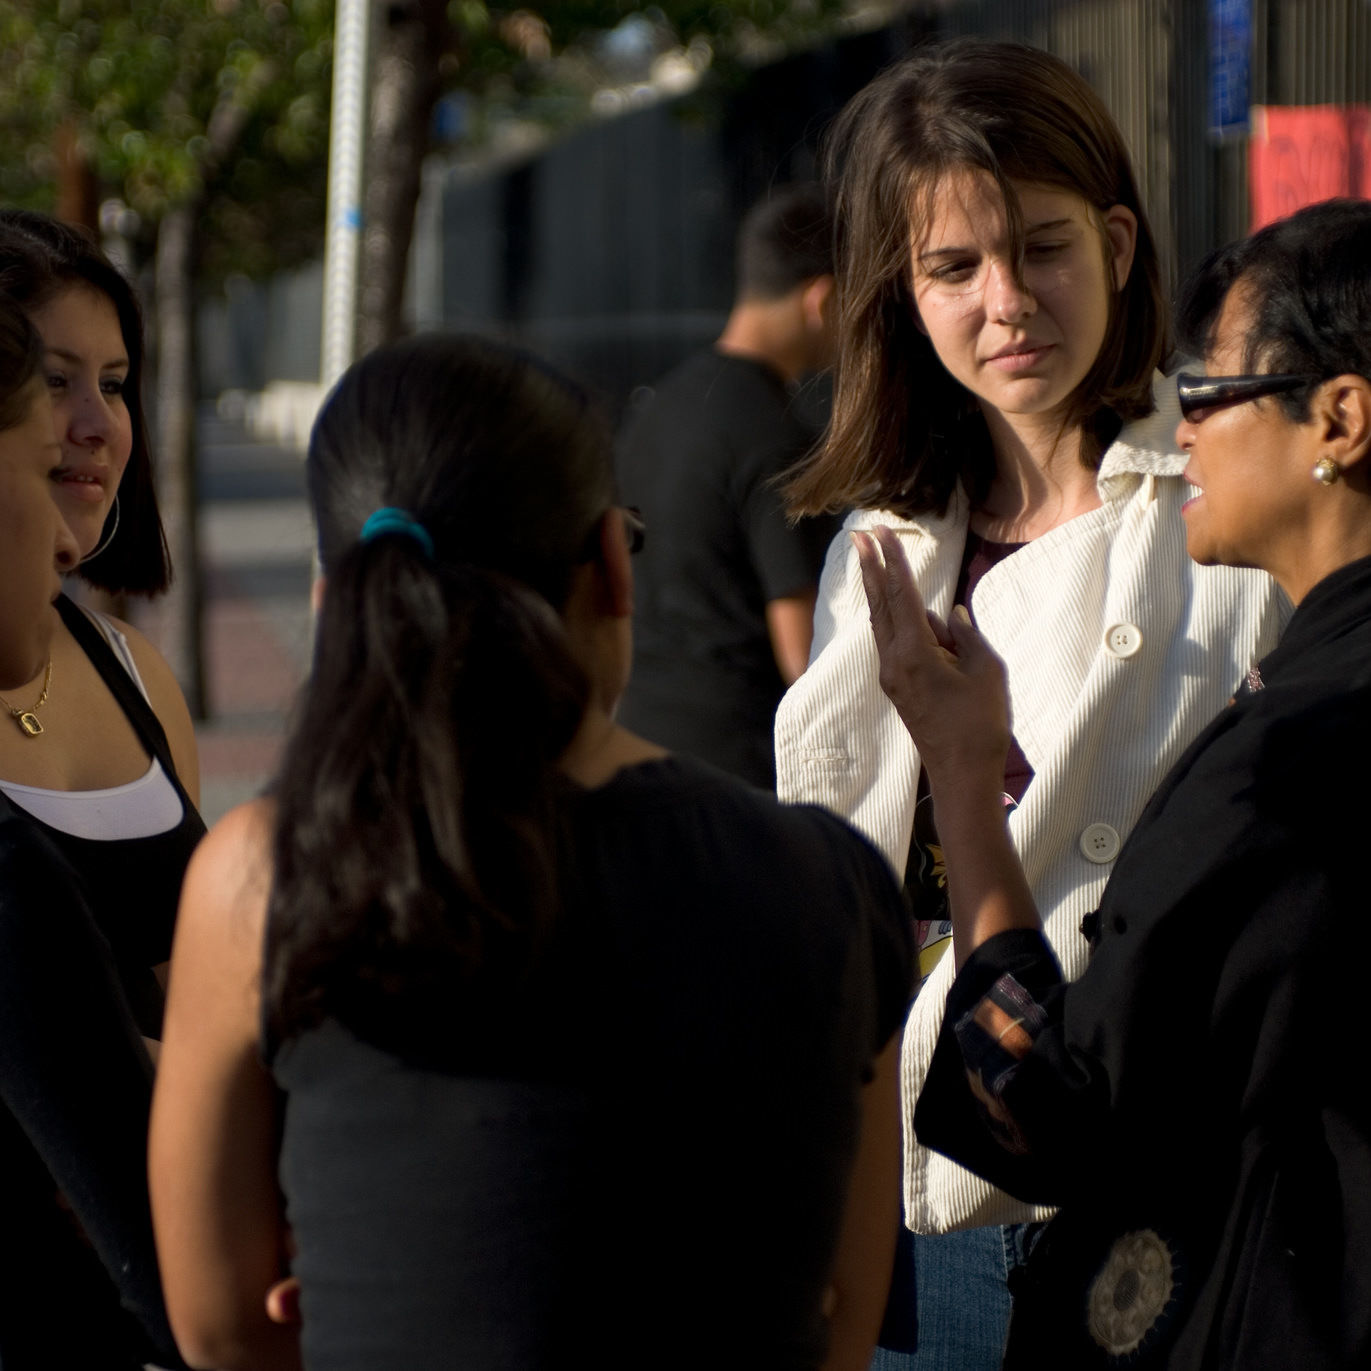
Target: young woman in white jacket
{"x":1002,"y":327}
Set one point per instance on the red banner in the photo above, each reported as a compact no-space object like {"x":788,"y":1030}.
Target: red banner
{"x":1300,"y":154}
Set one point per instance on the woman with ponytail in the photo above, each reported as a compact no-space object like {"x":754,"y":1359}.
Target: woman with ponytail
{"x":507,"y":997}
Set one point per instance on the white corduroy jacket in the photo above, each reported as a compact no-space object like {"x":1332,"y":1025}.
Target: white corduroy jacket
{"x":1119,"y":650}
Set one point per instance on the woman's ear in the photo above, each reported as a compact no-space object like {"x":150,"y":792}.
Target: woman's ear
{"x":1121,"y":236}
{"x":1342,"y":412}
{"x":616,"y":564}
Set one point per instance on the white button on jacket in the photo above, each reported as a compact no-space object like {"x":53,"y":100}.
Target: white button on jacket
{"x":1100,"y":843}
{"x":1123,"y":640}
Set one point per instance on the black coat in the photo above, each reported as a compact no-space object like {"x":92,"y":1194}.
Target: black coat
{"x":77,"y":1289}
{"x":1201,"y":1085}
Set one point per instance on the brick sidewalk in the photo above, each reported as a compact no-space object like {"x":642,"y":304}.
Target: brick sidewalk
{"x":256,"y":541}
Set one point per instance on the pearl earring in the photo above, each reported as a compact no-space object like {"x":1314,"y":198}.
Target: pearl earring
{"x":1326,"y":471}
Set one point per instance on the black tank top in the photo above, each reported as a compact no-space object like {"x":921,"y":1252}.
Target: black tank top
{"x":131,"y":884}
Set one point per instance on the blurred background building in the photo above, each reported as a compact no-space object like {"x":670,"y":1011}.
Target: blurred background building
{"x":609,"y":248}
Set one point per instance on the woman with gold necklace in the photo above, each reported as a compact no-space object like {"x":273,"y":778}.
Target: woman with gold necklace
{"x":98,"y":746}
{"x":78,"y":1278}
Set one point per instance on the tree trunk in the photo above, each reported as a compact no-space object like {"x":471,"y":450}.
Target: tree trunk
{"x":178,"y":483}
{"x":78,"y":202}
{"x":78,"y":195}
{"x":412,"y":36}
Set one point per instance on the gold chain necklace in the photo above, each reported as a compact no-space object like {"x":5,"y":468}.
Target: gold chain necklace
{"x":27,"y":719}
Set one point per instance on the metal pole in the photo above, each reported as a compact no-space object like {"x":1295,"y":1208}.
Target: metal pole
{"x":342,"y":234}
{"x":342,"y":231}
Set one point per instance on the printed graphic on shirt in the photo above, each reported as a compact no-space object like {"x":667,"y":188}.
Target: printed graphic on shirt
{"x":1250,"y":684}
{"x":925,"y":884}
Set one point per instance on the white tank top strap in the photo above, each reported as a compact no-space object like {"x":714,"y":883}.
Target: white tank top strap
{"x":119,"y":645}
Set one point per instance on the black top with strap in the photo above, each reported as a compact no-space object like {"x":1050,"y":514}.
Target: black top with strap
{"x":132,"y":884}
{"x":80,"y":920}
{"x":78,"y":1276}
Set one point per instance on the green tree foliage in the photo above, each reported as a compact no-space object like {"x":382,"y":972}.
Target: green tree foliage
{"x":139,"y":83}
{"x":218,"y":103}
{"x":735,"y":28}
{"x":542,"y":65}
{"x":208,"y":118}
{"x":547,"y":59}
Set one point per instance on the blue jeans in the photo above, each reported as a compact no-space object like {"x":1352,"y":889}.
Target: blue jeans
{"x":958,"y":1286}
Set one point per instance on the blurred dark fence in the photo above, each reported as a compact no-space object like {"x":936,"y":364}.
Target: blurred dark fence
{"x":611,"y":249}
{"x":1151,"y":60}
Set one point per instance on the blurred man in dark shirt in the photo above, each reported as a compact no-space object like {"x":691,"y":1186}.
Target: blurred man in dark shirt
{"x":725,"y":587}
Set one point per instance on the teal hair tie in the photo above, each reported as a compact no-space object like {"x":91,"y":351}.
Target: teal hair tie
{"x":389,"y":519}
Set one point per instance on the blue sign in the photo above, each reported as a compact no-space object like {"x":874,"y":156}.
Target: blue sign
{"x":1230,"y":65}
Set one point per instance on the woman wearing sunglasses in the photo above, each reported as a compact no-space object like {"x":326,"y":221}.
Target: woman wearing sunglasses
{"x":1194,"y":1101}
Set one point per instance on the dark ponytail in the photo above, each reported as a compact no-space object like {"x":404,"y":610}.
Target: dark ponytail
{"x":415,"y":847}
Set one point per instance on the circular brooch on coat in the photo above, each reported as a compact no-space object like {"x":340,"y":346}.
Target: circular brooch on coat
{"x":1132,"y":1292}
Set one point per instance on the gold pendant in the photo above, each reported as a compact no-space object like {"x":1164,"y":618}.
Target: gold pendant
{"x":29,"y":723}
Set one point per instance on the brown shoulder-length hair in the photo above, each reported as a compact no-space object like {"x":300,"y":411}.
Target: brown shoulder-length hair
{"x":40,"y":258}
{"x":904,"y":433}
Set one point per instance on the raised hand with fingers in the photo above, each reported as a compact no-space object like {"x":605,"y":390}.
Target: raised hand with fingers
{"x":944,"y":679}
{"x":949,"y":688}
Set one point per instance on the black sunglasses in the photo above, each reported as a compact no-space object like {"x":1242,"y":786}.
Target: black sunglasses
{"x":1200,"y":393}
